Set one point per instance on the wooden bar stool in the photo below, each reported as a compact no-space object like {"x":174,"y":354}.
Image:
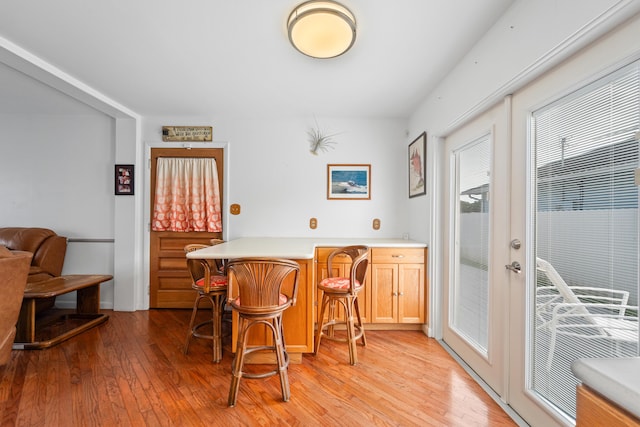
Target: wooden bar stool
{"x":210,"y":282}
{"x":221,"y":265}
{"x":343,"y":290}
{"x":260,"y":299}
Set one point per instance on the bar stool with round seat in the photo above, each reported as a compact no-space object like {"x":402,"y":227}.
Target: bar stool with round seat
{"x":210,"y":282}
{"x":343,"y":290}
{"x":257,"y":293}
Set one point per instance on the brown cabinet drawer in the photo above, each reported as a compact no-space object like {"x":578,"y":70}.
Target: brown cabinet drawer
{"x":397,"y":255}
{"x":323,"y":253}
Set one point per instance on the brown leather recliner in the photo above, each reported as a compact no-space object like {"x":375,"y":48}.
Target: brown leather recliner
{"x":48,"y":251}
{"x":47,"y":247}
{"x":14,"y":269}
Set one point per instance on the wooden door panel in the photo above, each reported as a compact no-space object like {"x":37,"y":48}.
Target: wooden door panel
{"x":384,"y":299}
{"x":170,"y":280}
{"x":411,"y":289}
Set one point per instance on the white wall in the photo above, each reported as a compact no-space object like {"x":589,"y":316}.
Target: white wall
{"x":56,"y":171}
{"x":529,"y":39}
{"x":280,"y":185}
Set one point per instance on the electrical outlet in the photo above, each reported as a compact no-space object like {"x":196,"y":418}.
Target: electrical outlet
{"x":376,"y":224}
{"x":234,"y":209}
{"x":313,"y":223}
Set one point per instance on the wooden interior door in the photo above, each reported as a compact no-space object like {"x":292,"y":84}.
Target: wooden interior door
{"x":169,"y":281}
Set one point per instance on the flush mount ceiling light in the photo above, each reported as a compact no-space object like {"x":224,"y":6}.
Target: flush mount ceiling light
{"x":321,"y":29}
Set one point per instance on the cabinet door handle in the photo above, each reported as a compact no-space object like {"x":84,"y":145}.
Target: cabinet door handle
{"x":397,"y":256}
{"x":395,"y":294}
{"x":401,"y":293}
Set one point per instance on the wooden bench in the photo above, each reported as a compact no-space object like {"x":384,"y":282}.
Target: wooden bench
{"x":53,"y":327}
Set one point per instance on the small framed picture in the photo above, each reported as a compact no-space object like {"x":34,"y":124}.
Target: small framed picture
{"x":417,"y":166}
{"x":349,"y":182}
{"x":124,"y":180}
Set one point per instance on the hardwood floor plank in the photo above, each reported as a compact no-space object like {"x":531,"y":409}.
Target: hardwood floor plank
{"x":57,"y":408}
{"x":11,"y":390}
{"x":131,"y":371}
{"x":121,"y":399}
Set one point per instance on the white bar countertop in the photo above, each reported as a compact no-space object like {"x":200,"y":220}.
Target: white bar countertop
{"x":291,"y":247}
{"x":617,"y":379}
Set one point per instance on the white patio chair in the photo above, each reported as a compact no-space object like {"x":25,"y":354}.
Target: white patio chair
{"x":585,"y":312}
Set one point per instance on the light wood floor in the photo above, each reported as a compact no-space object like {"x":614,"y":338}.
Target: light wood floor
{"x":131,"y":371}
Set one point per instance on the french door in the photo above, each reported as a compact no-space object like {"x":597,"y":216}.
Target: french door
{"x":487,"y":249}
{"x":578,"y":211}
{"x":476,"y":245}
{"x":532,"y":216}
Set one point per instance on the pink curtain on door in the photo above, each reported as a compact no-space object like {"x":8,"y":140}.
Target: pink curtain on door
{"x":187,"y":195}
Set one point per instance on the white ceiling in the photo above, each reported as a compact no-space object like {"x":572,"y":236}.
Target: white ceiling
{"x":233,"y":58}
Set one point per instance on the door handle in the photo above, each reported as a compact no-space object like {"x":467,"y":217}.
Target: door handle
{"x":514,"y":266}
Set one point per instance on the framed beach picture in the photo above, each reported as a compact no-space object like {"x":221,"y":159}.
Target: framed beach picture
{"x":417,"y":166}
{"x":349,"y":182}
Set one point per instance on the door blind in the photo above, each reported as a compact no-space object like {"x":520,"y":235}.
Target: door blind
{"x":585,"y":210}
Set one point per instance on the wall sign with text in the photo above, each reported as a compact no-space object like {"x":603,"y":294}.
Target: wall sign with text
{"x":187,"y":133}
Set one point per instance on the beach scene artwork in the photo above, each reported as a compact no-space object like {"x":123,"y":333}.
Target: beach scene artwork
{"x":349,"y":181}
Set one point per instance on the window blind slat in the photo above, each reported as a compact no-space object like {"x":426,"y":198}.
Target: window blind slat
{"x":585,"y":205}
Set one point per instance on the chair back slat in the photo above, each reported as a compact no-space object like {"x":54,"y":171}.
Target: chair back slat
{"x":359,"y":255}
{"x":259,"y":281}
